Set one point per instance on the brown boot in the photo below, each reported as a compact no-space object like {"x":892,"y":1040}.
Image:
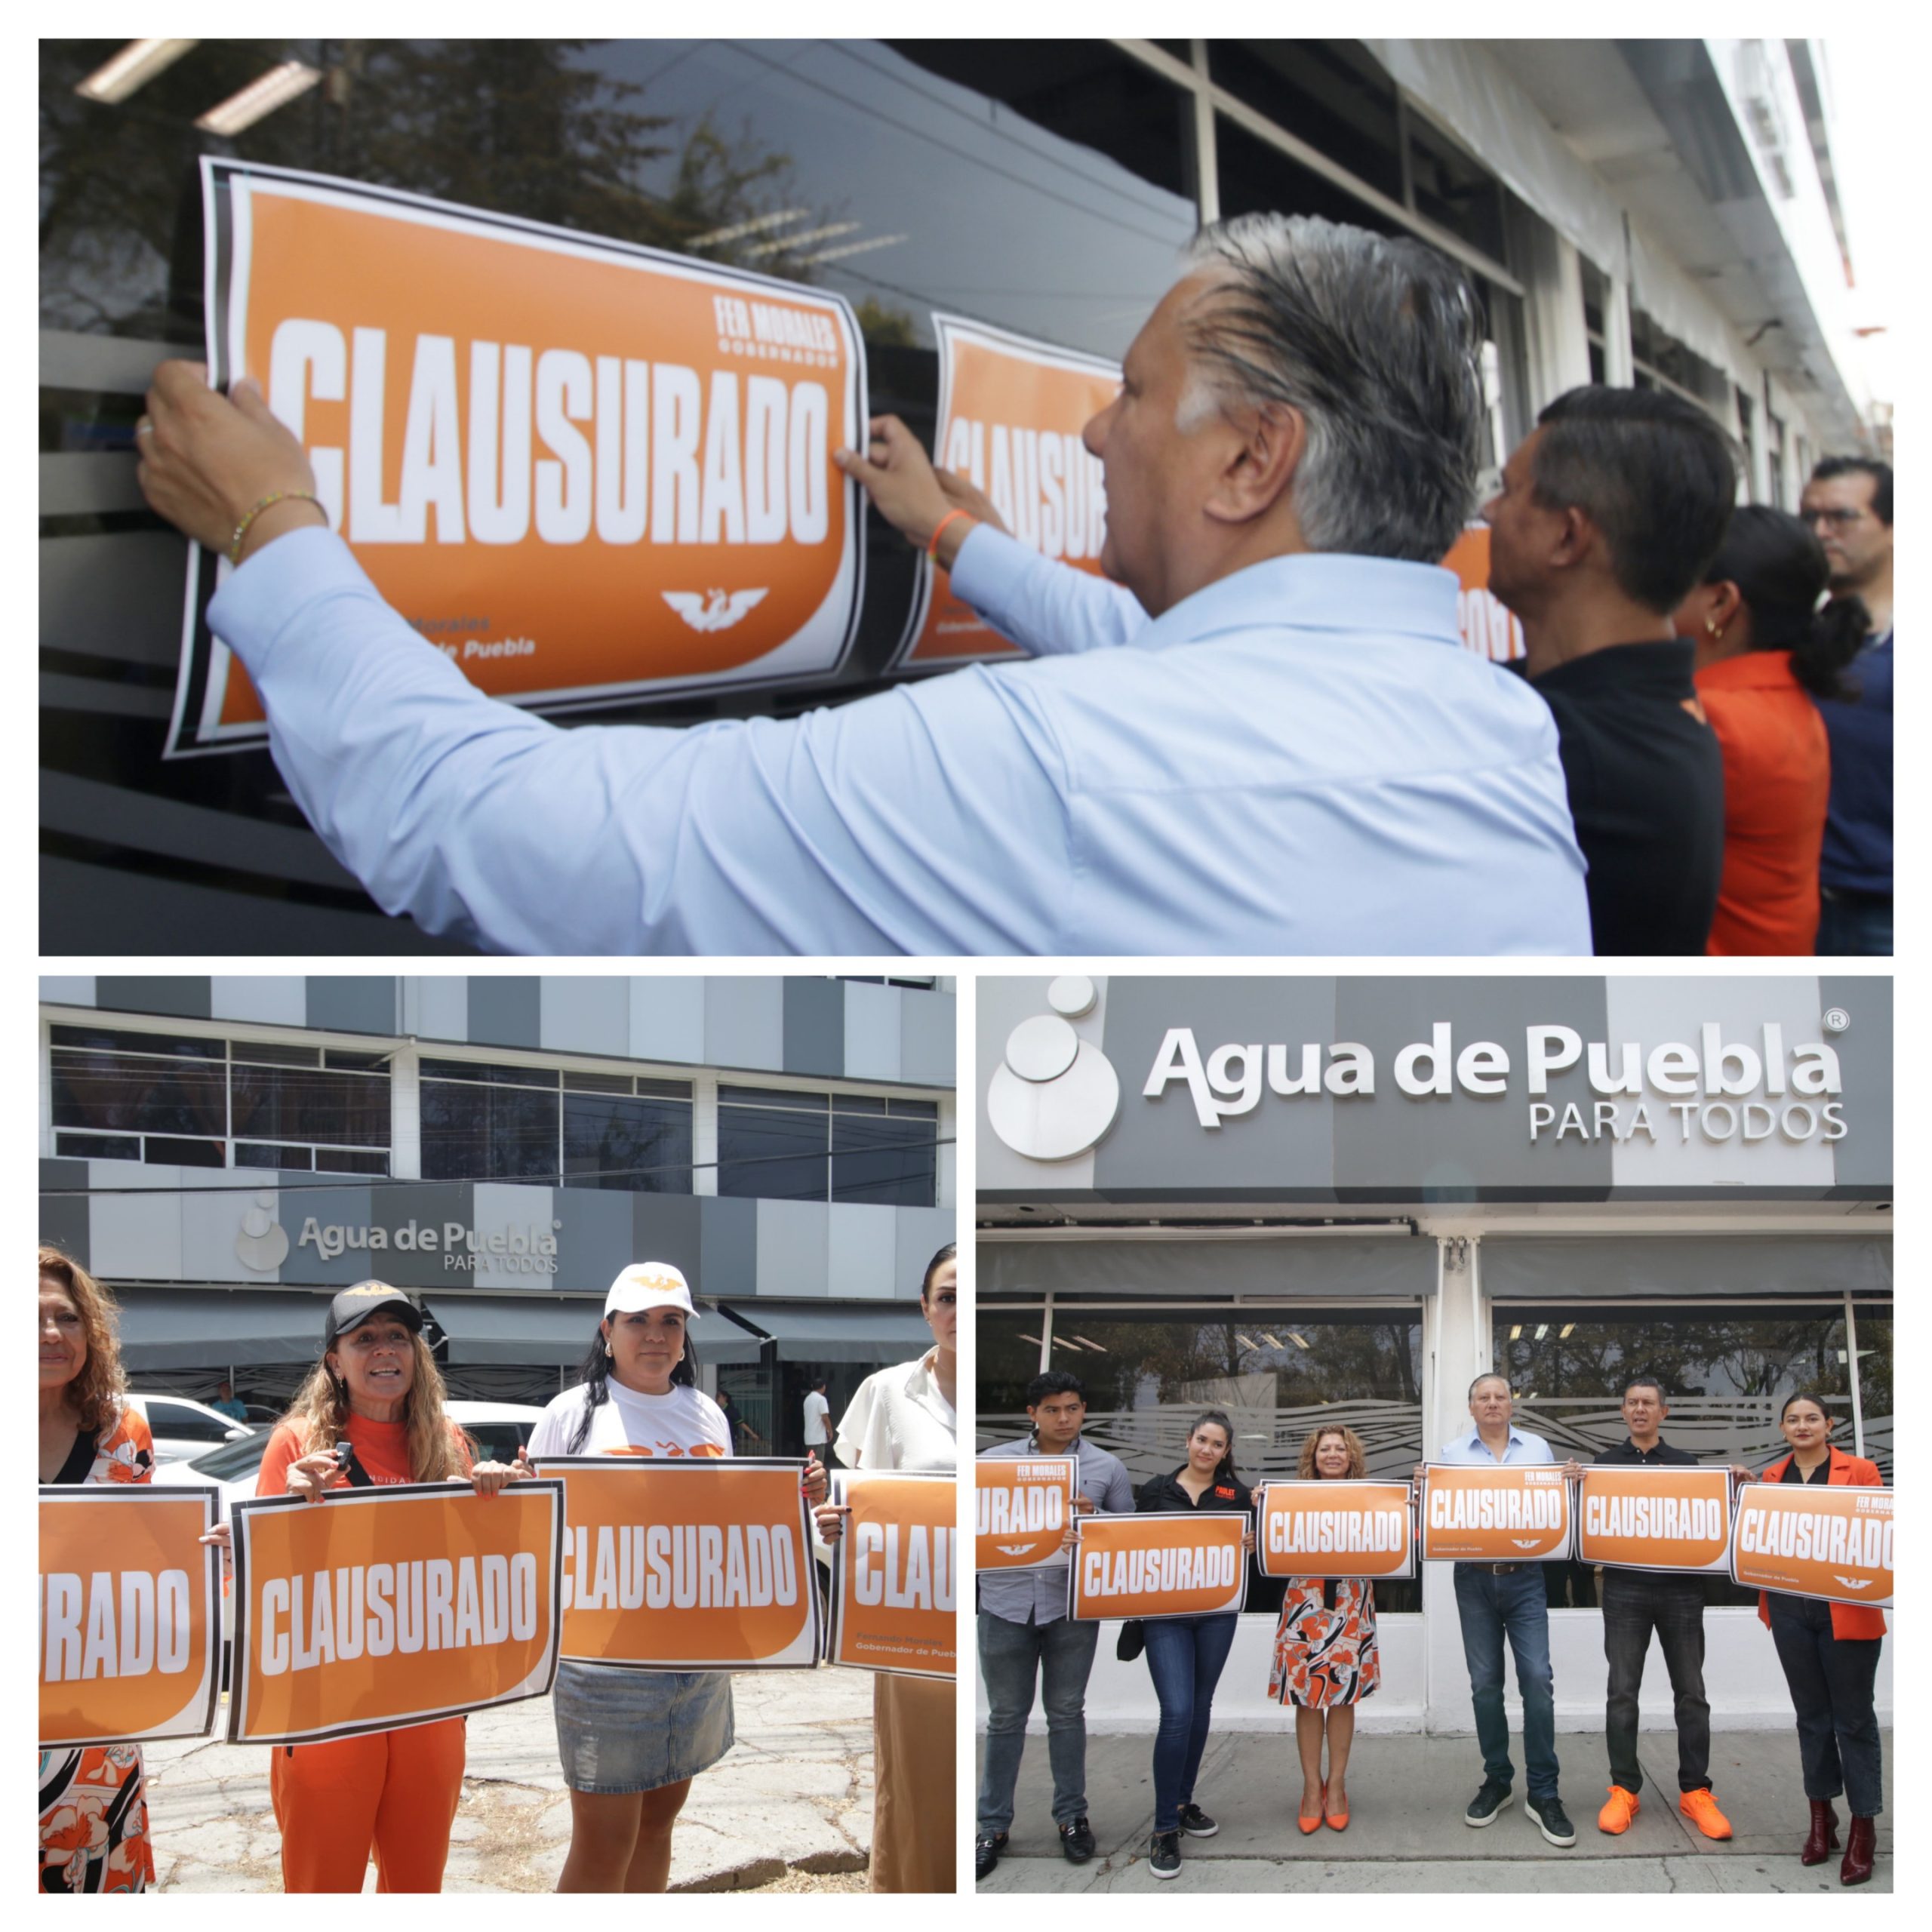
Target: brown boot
{"x":1824,"y":1838}
{"x":1859,"y":1845}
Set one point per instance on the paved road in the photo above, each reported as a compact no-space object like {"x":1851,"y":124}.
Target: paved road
{"x":791,"y":1804}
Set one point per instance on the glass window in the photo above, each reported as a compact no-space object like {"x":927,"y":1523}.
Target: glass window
{"x":638,"y":1146}
{"x":298,"y":1104}
{"x":133,"y":1093}
{"x":257,"y":1154}
{"x":1873,"y":1321}
{"x":184,"y":1424}
{"x":1257,"y":178}
{"x":889,"y":1160}
{"x":482,"y":1133}
{"x":490,"y":1073}
{"x":775,"y":1154}
{"x":111,"y":1040}
{"x":1332,"y":94}
{"x":98,"y":1146}
{"x":1454,"y":192}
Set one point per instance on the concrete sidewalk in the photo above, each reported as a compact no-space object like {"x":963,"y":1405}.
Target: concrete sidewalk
{"x":1406,"y":1834}
{"x":794,"y":1795}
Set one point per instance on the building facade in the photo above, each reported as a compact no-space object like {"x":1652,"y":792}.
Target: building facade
{"x":227,"y":1153}
{"x":1302,"y":1199}
{"x":1652,"y":213}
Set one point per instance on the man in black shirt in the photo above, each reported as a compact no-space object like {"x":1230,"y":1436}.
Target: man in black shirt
{"x":1636,"y":1602}
{"x":1608,"y":514}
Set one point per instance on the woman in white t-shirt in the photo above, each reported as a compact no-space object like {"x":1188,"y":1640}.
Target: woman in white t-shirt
{"x":904,"y":1418}
{"x":631,"y":1741}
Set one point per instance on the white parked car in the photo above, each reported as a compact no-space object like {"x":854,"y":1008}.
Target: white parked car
{"x":498,"y":1428}
{"x":182,"y":1427}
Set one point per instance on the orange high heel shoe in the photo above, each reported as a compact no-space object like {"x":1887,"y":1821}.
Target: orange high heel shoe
{"x":1338,"y":1821}
{"x":1309,"y":1825}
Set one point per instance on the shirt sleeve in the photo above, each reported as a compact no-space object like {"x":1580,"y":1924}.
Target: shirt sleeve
{"x":1043,"y":606}
{"x":272,"y":1477}
{"x":928,"y":819}
{"x":1118,"y":1499}
{"x":864,"y":1434}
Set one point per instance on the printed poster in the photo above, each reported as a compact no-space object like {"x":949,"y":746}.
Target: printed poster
{"x":1645,"y":1516}
{"x":587,"y":471}
{"x":393,"y":1605}
{"x":1159,"y":1565}
{"x":687,"y":1563}
{"x":1010,"y":413}
{"x":895,"y":1575}
{"x":1489,"y":629}
{"x":1021,"y":1505}
{"x":1348,"y":1528}
{"x":1814,"y":1540}
{"x":1496,"y":1513}
{"x":130,"y":1623}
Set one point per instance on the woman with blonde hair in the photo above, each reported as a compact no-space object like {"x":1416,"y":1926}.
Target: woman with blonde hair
{"x":94,"y":1815}
{"x":1327,"y":1659}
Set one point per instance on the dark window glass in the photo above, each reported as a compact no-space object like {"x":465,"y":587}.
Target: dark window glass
{"x":184,"y":1424}
{"x":98,"y":1146}
{"x":295,"y":1103}
{"x":772,"y":1096}
{"x":1257,"y":178}
{"x":771,"y":1154}
{"x":1454,"y":192}
{"x":373,"y":1062}
{"x":490,"y":1074}
{"x":487,"y":1132}
{"x":249,"y":1050}
{"x":664,"y":1090}
{"x":139,"y":1095}
{"x":335,"y":1161}
{"x":597,"y":1083}
{"x":498,"y":1441}
{"x":1597,"y":363}
{"x":636,"y":1146}
{"x":857,"y":1103}
{"x":1724,"y":1371}
{"x":913,"y":1109}
{"x":185,"y":1153}
{"x":1332,"y":94}
{"x":137,"y":1042}
{"x":1874,"y":1323}
{"x":1181,"y":49}
{"x":1277,"y":1372}
{"x":884,"y":1160}
{"x":255,"y":1154}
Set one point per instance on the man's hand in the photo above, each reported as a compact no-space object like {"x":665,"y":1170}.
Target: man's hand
{"x":1573,"y":1471}
{"x":206,"y":460}
{"x":963,"y":493}
{"x":900,"y":479}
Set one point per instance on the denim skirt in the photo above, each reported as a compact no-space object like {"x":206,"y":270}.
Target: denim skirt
{"x":622,"y":1730}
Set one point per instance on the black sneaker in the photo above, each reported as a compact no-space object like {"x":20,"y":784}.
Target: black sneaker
{"x":1196,"y":1823}
{"x":1492,"y":1799}
{"x":1551,"y":1819}
{"x":1164,"y":1855}
{"x":1076,"y":1839}
{"x":985,"y":1853}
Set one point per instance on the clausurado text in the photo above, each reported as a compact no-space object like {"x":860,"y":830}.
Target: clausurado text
{"x":1540,"y":1508}
{"x":382,"y":1609}
{"x":680,"y":1565}
{"x":903,"y":1566}
{"x":89,"y":1628}
{"x":1123,"y":1572}
{"x":1006,"y":1512}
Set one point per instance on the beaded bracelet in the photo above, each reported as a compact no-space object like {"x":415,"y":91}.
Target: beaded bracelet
{"x":273,"y":496}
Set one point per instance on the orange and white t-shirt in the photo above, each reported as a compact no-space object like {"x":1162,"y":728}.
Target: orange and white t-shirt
{"x":381,"y":1447}
{"x":684,"y":1422}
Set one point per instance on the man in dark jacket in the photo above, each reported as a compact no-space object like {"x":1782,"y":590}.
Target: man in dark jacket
{"x":1608,"y":513}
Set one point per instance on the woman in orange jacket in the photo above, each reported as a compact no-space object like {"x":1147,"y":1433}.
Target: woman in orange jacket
{"x":1830,"y":1655}
{"x":1765,"y":650}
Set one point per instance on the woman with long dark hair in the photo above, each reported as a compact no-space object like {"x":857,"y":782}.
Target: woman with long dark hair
{"x":1186,"y":1655}
{"x":1768,"y":644}
{"x":1829,"y":1652}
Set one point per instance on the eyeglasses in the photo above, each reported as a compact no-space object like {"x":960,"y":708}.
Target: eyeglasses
{"x":1839,"y":519}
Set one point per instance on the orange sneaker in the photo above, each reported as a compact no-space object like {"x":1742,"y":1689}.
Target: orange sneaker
{"x":1616,"y":1815}
{"x":1701,"y":1808}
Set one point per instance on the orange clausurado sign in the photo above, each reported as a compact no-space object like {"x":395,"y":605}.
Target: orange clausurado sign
{"x":1496,"y":1513}
{"x":1815,"y":1539}
{"x":1350,"y":1528}
{"x":1022,"y":1505}
{"x":1175,"y":1565}
{"x":130,"y":1631}
{"x":1010,"y":413}
{"x":895,"y":1574}
{"x":1489,"y":629}
{"x":393,"y":1605}
{"x":585,"y":470}
{"x":1646,"y":1516}
{"x":686,"y":1563}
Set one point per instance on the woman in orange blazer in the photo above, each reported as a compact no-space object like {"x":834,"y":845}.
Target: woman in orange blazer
{"x":1830,"y":1655}
{"x":1765,"y":650}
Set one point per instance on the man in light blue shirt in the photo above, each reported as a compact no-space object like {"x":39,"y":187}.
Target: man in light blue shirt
{"x":1294,"y":756}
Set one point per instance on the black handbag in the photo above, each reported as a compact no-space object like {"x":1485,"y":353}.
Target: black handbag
{"x":1132,"y":1640}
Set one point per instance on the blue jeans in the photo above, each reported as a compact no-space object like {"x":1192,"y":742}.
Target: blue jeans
{"x":1831,"y":1679}
{"x":1185,"y":1655}
{"x":1011,"y":1655}
{"x":1490,"y":1608}
{"x":1853,"y":925}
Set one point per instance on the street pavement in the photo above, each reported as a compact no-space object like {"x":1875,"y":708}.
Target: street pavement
{"x":791,"y":1802}
{"x":1406,"y":1834}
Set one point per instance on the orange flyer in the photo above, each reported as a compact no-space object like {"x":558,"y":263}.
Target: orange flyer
{"x":1347,"y":1528}
{"x":1814,"y":1540}
{"x":1010,"y":413}
{"x":586,"y":471}
{"x":393,"y":1605}
{"x":687,"y":1563}
{"x":1638,"y":1516}
{"x":130,"y":1623}
{"x":1022,"y":1506}
{"x":895,"y":1573}
{"x":1496,"y":1513}
{"x":1160,"y":1565}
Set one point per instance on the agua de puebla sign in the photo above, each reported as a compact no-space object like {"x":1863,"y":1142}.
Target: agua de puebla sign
{"x":1709,"y":1089}
{"x":528,"y":1250}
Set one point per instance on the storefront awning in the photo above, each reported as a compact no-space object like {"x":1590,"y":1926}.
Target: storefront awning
{"x":891,"y":1332}
{"x":1339,"y":1267}
{"x":218,"y":1328}
{"x":1682,"y":1267}
{"x":546,"y":1331}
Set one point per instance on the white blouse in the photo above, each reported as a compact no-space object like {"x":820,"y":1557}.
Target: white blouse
{"x":899,"y":1419}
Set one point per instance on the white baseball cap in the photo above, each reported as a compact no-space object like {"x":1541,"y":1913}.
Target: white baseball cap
{"x":649,"y":1285}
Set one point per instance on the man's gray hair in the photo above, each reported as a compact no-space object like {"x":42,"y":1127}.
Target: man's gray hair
{"x":1377,"y":344}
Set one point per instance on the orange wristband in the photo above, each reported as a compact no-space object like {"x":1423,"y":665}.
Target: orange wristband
{"x":932,"y":549}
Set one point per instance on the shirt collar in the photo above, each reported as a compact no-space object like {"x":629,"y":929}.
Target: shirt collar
{"x":1475,"y":1441}
{"x":1313,"y":592}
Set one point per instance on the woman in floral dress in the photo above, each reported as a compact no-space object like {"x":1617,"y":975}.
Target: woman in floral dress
{"x":94,"y":1813}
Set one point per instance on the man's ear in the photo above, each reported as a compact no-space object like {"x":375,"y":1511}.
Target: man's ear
{"x":1575,"y":539}
{"x":1273,"y":438}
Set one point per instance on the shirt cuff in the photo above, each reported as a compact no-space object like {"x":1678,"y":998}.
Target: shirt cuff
{"x":989,"y":571}
{"x":257,"y":604}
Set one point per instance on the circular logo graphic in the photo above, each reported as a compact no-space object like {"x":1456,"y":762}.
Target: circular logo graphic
{"x":1054,"y":1094}
{"x":1836,"y":1020}
{"x":263,"y":1242}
